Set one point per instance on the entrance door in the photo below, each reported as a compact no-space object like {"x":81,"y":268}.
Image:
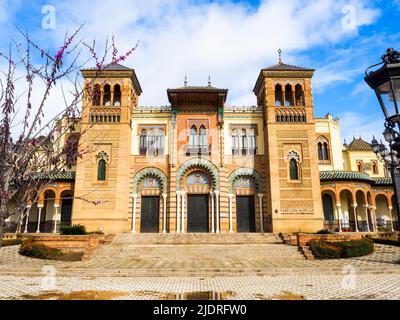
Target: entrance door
{"x":245,"y":214}
{"x":66,"y":211}
{"x":197,"y":213}
{"x":149,"y":218}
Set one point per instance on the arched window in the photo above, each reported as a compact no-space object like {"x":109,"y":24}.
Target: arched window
{"x":299,"y":95}
{"x":235,"y":142}
{"x":325,"y":151}
{"x":117,"y":95}
{"x":203,"y":136}
{"x":251,"y":140}
{"x":107,"y":96}
{"x":294,"y":161}
{"x":243,"y":142}
{"x":151,"y":142}
{"x":320,"y":155}
{"x":96,"y":95}
{"x":278,"y":95}
{"x":143,"y":142}
{"x":374,"y":167}
{"x":288,"y":95}
{"x":294,"y":170}
{"x":160,"y":141}
{"x":101,"y":170}
{"x":193,"y":136}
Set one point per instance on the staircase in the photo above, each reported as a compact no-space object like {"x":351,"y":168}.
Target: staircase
{"x":196,"y":254}
{"x":196,"y":238}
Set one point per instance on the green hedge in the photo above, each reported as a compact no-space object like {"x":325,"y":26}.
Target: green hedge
{"x":39,"y":250}
{"x":324,"y":231}
{"x":343,"y":249}
{"x":11,"y":242}
{"x":387,"y":241}
{"x":75,"y":230}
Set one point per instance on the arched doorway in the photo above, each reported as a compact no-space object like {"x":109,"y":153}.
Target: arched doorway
{"x":67,"y":200}
{"x":347,"y":209}
{"x":197,"y":185}
{"x":329,"y":213}
{"x":47,"y":216}
{"x":245,"y":187}
{"x":245,"y":204}
{"x":200,"y":202}
{"x":150,"y":194}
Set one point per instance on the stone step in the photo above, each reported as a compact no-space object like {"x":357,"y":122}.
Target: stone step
{"x":198,"y":272}
{"x":189,"y":238}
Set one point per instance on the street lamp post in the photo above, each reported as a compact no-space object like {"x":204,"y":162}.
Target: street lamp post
{"x":385,"y":81}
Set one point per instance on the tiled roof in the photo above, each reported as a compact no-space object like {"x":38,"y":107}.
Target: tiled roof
{"x":199,"y":88}
{"x":67,"y":176}
{"x":359,"y":145}
{"x":112,"y":67}
{"x":353,"y":175}
{"x":344,"y":175}
{"x":286,"y":67}
{"x":382,"y":181}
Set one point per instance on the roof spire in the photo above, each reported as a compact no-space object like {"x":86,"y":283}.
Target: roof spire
{"x":209,"y":80}
{"x":280,"y":56}
{"x":185,"y":83}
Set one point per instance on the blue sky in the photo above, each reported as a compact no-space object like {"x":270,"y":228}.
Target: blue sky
{"x":232,"y":41}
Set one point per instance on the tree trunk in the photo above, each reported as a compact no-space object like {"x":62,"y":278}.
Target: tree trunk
{"x":3,"y":206}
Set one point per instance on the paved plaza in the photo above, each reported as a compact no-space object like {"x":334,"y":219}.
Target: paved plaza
{"x":213,"y":271}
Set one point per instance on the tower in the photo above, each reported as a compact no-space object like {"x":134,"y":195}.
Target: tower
{"x":292,"y":175}
{"x":103,"y":171}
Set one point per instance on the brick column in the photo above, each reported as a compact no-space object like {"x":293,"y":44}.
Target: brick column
{"x":134,"y":213}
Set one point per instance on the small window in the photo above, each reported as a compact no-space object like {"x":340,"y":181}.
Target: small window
{"x":107,"y":96}
{"x":96,"y":95}
{"x":374,"y":167}
{"x":288,"y":95}
{"x":294,"y":170}
{"x":101,"y":170}
{"x":278,"y":95}
{"x":299,"y":95}
{"x":117,"y":95}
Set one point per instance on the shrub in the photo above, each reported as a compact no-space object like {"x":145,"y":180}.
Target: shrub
{"x":11,"y":242}
{"x":324,"y":249}
{"x":75,"y":229}
{"x":343,"y":249}
{"x":387,"y":242}
{"x":39,"y":250}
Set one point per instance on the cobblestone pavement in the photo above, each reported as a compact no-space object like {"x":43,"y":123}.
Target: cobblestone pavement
{"x":149,"y":275}
{"x":383,"y":286}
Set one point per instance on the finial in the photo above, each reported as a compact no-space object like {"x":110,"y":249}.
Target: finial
{"x":209,"y":80}
{"x":185,"y":83}
{"x":280,"y":56}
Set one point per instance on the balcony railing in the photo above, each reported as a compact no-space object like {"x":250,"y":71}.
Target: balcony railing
{"x":151,"y":151}
{"x":244,"y":151}
{"x":198,"y":150}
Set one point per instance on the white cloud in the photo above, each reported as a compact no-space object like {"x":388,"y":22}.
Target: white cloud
{"x":226,"y":40}
{"x":366,"y":125}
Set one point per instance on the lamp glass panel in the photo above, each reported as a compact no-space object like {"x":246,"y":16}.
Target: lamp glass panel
{"x":387,"y":99}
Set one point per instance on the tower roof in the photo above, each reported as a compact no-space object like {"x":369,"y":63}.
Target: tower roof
{"x":282,"y":70}
{"x":112,"y":67}
{"x":359,"y":145}
{"x":286,"y":67}
{"x":114,"y":70}
{"x":197,"y":96}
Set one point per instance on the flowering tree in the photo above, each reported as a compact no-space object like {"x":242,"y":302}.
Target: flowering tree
{"x":32,"y":154}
